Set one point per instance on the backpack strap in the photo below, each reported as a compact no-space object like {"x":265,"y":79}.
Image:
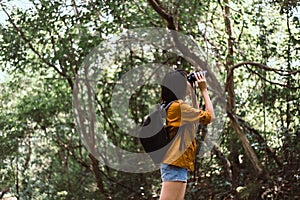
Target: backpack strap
{"x":165,"y":107}
{"x":182,"y":142}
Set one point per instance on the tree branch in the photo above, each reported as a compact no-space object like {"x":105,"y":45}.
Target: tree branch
{"x":97,"y":173}
{"x":157,"y":6}
{"x":271,"y":82}
{"x":137,"y":4}
{"x":261,"y":140}
{"x":22,"y":34}
{"x":3,"y":192}
{"x":246,"y":145}
{"x":226,"y":163}
{"x":262,"y":66}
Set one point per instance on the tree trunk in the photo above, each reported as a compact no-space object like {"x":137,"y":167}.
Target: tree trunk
{"x":97,"y":173}
{"x":231,"y":97}
{"x":246,"y":144}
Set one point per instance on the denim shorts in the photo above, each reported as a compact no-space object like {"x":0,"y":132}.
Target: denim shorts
{"x":173,"y":173}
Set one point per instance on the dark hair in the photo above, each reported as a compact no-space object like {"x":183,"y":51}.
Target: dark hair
{"x":173,"y":86}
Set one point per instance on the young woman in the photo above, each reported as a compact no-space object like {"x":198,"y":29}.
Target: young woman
{"x":181,"y":121}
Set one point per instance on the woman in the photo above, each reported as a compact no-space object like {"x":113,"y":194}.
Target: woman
{"x":181,"y":121}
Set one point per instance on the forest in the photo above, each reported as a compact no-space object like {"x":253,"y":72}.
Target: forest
{"x":250,"y":50}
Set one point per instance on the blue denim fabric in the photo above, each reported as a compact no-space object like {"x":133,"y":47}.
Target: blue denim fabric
{"x":173,"y":173}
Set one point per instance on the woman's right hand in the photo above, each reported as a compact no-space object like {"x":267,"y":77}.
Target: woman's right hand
{"x":201,"y":80}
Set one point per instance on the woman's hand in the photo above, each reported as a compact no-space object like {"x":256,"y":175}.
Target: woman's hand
{"x":201,"y":80}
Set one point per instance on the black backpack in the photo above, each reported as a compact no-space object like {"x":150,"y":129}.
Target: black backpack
{"x":154,"y":135}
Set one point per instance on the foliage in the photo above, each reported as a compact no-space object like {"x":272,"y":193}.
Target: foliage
{"x":42,"y":49}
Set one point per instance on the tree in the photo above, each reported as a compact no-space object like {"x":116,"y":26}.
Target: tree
{"x":258,"y":60}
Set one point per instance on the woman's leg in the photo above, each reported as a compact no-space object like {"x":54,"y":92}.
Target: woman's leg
{"x":172,"y":190}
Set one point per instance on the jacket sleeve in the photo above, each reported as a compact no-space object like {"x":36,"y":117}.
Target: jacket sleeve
{"x":193,"y":115}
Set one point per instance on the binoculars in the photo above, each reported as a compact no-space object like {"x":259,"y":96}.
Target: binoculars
{"x":191,"y":77}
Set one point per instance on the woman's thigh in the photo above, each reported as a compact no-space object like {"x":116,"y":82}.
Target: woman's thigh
{"x":172,"y":190}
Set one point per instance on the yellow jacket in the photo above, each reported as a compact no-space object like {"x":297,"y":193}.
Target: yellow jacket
{"x":182,"y":118}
